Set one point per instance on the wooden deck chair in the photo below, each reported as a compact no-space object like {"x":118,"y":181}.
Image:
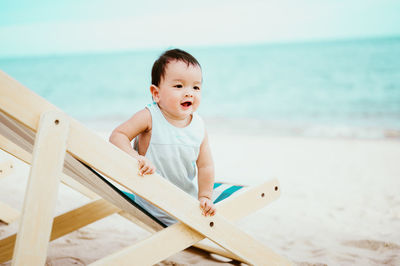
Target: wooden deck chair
{"x":61,"y":144}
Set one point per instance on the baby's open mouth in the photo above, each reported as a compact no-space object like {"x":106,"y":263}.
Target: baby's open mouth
{"x":186,"y":104}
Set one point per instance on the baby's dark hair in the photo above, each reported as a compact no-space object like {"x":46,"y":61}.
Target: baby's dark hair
{"x":158,"y":70}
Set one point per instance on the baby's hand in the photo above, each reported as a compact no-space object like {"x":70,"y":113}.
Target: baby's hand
{"x":145,"y":166}
{"x":207,"y":206}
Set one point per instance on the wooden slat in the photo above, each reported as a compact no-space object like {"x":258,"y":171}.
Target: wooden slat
{"x":66,"y":223}
{"x":11,"y":148}
{"x":80,"y":217}
{"x":41,"y":195}
{"x":75,"y":185}
{"x":17,"y":133}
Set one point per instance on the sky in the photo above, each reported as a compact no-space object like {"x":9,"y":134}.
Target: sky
{"x":78,"y":26}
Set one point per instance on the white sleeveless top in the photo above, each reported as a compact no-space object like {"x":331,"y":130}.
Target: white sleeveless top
{"x":174,"y":152}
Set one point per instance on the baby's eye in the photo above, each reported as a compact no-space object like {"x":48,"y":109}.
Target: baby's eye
{"x":196,"y":88}
{"x":178,"y":86}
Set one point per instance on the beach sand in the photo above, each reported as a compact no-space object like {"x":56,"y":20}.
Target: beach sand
{"x":340,"y":202}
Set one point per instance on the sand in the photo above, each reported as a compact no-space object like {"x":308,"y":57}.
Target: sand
{"x":340,"y":202}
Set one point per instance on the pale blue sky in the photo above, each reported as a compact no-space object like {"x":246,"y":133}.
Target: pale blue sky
{"x":54,"y":27}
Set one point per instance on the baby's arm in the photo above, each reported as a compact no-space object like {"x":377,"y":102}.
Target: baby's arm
{"x":127,"y":131}
{"x":205,"y":167}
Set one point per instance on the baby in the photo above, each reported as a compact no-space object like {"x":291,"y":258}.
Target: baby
{"x":170,"y":138}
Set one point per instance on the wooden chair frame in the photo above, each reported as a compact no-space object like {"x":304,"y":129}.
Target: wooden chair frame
{"x":61,"y":145}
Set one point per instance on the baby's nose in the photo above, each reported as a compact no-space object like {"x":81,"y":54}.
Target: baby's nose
{"x":188,"y":92}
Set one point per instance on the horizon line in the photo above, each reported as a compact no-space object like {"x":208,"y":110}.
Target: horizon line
{"x":197,"y":47}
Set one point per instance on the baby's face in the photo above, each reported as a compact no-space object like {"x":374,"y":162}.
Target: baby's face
{"x":180,"y":90}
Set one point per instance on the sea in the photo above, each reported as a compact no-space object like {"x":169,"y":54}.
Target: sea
{"x":345,"y":88}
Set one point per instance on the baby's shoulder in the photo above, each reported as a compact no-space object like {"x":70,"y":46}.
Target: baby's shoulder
{"x":142,"y":118}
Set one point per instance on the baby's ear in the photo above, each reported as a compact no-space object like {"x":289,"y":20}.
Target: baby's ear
{"x":155,"y":93}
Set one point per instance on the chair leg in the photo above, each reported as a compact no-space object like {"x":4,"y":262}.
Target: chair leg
{"x":40,"y":198}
